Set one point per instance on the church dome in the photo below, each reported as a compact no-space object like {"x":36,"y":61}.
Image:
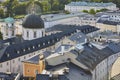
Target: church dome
{"x":33,"y":21}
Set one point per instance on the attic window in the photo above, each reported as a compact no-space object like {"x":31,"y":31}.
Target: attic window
{"x":33,"y":47}
{"x":52,"y":40}
{"x":48,"y":42}
{"x":38,"y":45}
{"x":18,"y":52}
{"x":28,"y":48}
{"x":8,"y":55}
{"x":43,"y":43}
{"x":24,"y":50}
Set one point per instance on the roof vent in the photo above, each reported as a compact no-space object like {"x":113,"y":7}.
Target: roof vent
{"x":62,"y":50}
{"x":66,"y":70}
{"x":79,"y":47}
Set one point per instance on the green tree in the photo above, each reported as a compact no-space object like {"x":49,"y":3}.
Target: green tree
{"x":55,"y":5}
{"x":20,"y":9}
{"x":92,"y":11}
{"x":66,"y":12}
{"x":85,"y":11}
{"x":45,"y":6}
{"x":10,"y":4}
{"x":1,"y":13}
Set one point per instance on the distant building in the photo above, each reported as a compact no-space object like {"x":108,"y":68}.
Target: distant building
{"x":80,"y":6}
{"x":108,"y":25}
{"x":70,"y":19}
{"x":65,"y":19}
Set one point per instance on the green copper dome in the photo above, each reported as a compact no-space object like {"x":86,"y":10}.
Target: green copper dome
{"x":1,"y":20}
{"x":9,"y":20}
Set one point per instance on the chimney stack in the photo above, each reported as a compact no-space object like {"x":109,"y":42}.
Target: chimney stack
{"x":62,"y":50}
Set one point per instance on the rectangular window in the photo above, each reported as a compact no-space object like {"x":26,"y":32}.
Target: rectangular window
{"x":13,"y":61}
{"x":35,"y":34}
{"x":1,"y":65}
{"x":18,"y":59}
{"x":7,"y":63}
{"x":27,"y":34}
{"x":12,"y":33}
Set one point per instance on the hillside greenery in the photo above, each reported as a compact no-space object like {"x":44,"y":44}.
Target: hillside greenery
{"x":13,"y":7}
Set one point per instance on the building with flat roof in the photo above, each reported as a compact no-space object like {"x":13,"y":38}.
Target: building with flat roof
{"x":80,"y":6}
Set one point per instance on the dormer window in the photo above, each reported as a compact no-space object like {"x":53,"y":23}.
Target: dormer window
{"x":48,"y":42}
{"x":28,"y":48}
{"x":52,"y":40}
{"x":24,"y":50}
{"x":38,"y":45}
{"x":8,"y":55}
{"x":33,"y":47}
{"x":43,"y":43}
{"x":18,"y":52}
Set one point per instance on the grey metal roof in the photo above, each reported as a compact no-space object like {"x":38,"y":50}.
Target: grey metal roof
{"x":35,"y":59}
{"x":75,"y":72}
{"x":84,"y":29}
{"x":78,"y":37}
{"x":115,"y":47}
{"x":91,"y":4}
{"x":33,"y":21}
{"x":5,"y":76}
{"x":47,"y":77}
{"x":66,"y":46}
{"x":42,"y":77}
{"x":23,"y":48}
{"x":108,"y":22}
{"x":91,"y":56}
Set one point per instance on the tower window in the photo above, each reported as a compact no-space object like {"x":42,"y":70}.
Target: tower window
{"x":35,"y":34}
{"x":27,"y":34}
{"x":42,"y":33}
{"x":12,"y":33}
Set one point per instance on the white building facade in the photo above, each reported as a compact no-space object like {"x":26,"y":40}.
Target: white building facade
{"x":8,"y":28}
{"x":80,"y":6}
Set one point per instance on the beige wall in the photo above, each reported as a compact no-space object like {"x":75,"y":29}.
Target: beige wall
{"x":30,"y":69}
{"x":105,"y":27}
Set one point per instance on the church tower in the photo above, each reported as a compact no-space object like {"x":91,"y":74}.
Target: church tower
{"x":8,"y":28}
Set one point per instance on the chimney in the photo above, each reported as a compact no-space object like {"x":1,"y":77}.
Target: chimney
{"x":62,"y":50}
{"x":66,"y":70}
{"x":86,"y":40}
{"x":41,"y":57}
